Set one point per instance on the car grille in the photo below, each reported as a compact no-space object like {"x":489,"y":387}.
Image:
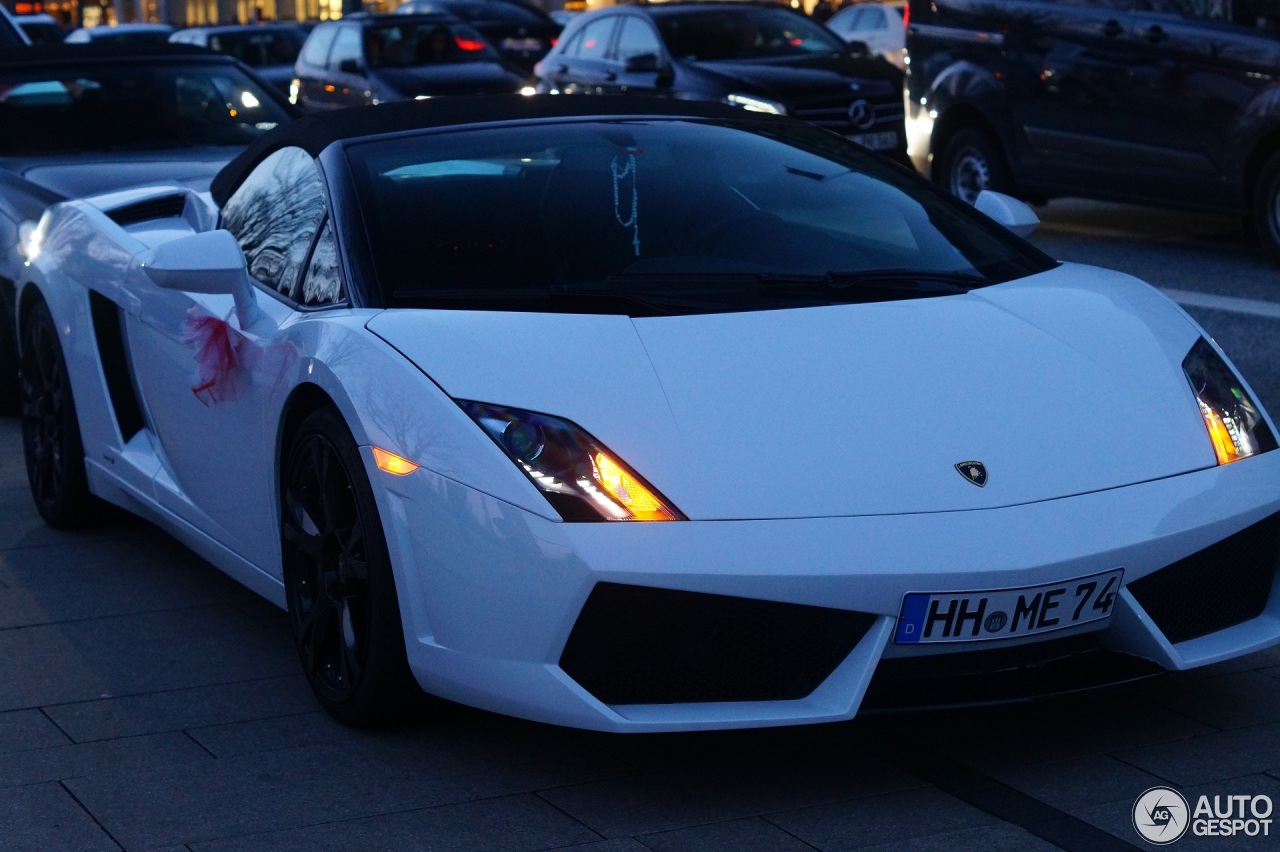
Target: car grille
{"x":994,"y":676}
{"x":1223,"y":585}
{"x":640,"y":645}
{"x":833,"y":113}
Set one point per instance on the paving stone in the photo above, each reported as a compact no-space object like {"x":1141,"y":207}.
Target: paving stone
{"x":1082,"y":781}
{"x":1211,"y":757}
{"x":509,"y":824}
{"x":182,"y":709}
{"x":998,"y":838}
{"x":744,"y":835}
{"x":21,"y":730}
{"x":650,"y":803}
{"x":146,"y":652}
{"x":63,"y":762}
{"x":107,"y":577}
{"x":889,"y":818}
{"x":362,"y":775}
{"x":44,"y":817}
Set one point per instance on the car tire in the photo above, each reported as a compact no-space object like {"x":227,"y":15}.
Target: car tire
{"x":51,"y":442}
{"x":1266,"y":207}
{"x":342,"y":601}
{"x":971,"y":162}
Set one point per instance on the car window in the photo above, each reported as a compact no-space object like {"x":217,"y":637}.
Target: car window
{"x":593,"y":40}
{"x":710,"y":214}
{"x":274,"y":215}
{"x":414,"y":43}
{"x":637,"y":38}
{"x":267,"y":47}
{"x":743,"y":32}
{"x":10,"y":36}
{"x":315,"y":51}
{"x":346,"y":47}
{"x":113,"y":107}
{"x":323,"y":282}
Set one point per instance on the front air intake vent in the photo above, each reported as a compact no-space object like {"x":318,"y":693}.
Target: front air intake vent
{"x":1225,"y":584}
{"x":639,"y":645}
{"x":165,"y":207}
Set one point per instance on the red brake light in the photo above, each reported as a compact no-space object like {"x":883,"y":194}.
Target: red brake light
{"x":468,"y":44}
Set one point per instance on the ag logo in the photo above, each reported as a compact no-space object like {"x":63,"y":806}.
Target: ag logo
{"x":974,"y":471}
{"x":1161,"y":815}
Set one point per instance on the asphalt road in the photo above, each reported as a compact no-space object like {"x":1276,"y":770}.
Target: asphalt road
{"x":146,"y":702}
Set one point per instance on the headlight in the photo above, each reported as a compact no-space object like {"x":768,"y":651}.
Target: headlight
{"x":753,"y":104}
{"x":577,"y":474}
{"x":1236,"y":427}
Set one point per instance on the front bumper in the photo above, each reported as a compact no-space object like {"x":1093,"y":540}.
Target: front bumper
{"x":491,"y":595}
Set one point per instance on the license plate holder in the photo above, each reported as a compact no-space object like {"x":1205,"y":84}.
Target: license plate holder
{"x":928,"y":618}
{"x":883,"y":141}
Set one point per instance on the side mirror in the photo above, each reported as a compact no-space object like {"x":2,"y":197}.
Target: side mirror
{"x":209,"y":262}
{"x":858,"y":48}
{"x":643,"y":63}
{"x":351,"y":66}
{"x":1007,"y":211}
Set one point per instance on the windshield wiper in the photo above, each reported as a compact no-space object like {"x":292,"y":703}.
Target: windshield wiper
{"x":920,"y":281}
{"x":653,"y":304}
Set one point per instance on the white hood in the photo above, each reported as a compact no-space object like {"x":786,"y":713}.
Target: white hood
{"x":1062,"y":384}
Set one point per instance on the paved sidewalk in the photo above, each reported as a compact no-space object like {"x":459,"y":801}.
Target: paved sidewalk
{"x":147,"y":702}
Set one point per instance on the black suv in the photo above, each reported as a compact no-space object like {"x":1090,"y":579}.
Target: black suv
{"x":761,"y":57}
{"x":1165,"y":102}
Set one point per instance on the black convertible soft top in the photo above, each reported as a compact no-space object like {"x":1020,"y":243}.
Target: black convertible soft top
{"x":317,"y":131}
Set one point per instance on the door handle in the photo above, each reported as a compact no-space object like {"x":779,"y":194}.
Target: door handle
{"x":610,"y":76}
{"x":1112,"y":28}
{"x":1156,"y":34}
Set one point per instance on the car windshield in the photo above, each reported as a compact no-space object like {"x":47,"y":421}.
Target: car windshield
{"x":142,"y":106}
{"x":261,"y":47}
{"x":427,"y":43}
{"x":743,"y":32}
{"x":662,"y":216}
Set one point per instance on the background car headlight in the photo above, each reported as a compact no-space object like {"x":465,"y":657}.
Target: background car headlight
{"x":754,"y":104}
{"x":1236,"y":426}
{"x":577,"y":474}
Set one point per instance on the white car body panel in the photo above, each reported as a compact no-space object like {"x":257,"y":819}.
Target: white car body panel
{"x":850,"y":505}
{"x":723,"y":441}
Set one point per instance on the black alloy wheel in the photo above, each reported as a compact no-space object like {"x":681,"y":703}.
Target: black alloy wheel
{"x":51,"y":440}
{"x":1266,"y":207}
{"x":972,"y":162}
{"x":338,"y":580}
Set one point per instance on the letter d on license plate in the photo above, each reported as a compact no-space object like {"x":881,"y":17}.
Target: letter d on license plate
{"x":928,"y":617}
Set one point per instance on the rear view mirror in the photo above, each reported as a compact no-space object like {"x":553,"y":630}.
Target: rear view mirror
{"x":209,"y":262}
{"x":351,"y":66}
{"x":1008,"y":211}
{"x":643,"y":63}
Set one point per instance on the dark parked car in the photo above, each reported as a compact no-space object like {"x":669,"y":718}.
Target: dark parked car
{"x":1165,"y":102}
{"x":520,"y":32}
{"x":10,"y":33}
{"x":764,"y":58}
{"x":41,"y":28}
{"x":93,"y":118}
{"x":372,"y":59}
{"x":270,"y":49}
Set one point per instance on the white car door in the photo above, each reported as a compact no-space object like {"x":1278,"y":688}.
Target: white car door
{"x":206,"y":381}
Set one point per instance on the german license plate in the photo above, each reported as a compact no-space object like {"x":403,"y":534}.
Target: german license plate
{"x":931,"y":617}
{"x":877,"y":141}
{"x":525,"y":44}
